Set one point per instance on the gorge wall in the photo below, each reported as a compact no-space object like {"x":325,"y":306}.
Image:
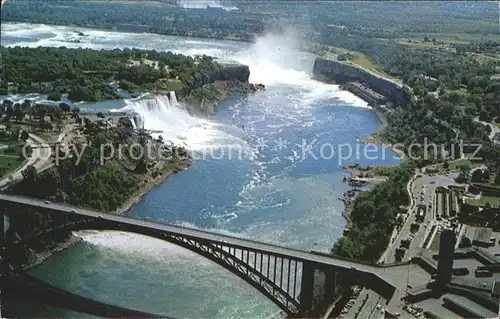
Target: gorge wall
{"x":240,"y":73}
{"x":341,"y":73}
{"x":203,"y":95}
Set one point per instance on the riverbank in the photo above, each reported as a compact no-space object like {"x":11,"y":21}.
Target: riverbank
{"x":154,"y":176}
{"x":372,"y":216}
{"x":36,"y":258}
{"x":377,"y":136}
{"x":148,"y":186}
{"x":360,"y":177}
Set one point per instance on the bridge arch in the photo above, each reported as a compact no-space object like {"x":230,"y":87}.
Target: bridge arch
{"x":282,"y":294}
{"x":280,"y":287}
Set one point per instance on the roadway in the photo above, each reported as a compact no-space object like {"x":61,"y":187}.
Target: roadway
{"x":426,"y":184}
{"x":396,"y":276}
{"x":35,"y":159}
{"x":371,"y":307}
{"x":194,"y":233}
{"x":40,"y":157}
{"x":366,"y":306}
{"x":494,"y":130}
{"x":396,"y":236}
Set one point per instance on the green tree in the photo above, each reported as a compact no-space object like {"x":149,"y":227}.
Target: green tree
{"x":54,"y":96}
{"x":497,"y":178}
{"x":29,"y":174}
{"x":63,"y":106}
{"x":486,"y":175}
{"x":24,"y":136}
{"x":477,"y":176}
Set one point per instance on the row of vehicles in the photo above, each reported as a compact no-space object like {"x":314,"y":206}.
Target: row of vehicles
{"x":355,"y":294}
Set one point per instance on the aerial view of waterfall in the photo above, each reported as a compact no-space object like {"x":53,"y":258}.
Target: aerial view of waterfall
{"x":249,"y":159}
{"x":250,"y":177}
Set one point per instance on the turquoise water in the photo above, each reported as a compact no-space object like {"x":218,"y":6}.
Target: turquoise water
{"x":275,"y":192}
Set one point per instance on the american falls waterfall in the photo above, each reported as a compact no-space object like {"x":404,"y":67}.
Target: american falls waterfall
{"x":165,"y":114}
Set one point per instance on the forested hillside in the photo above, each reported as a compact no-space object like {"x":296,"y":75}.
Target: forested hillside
{"x":85,"y":74}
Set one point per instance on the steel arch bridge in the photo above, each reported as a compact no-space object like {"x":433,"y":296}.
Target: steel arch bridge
{"x":285,"y":276}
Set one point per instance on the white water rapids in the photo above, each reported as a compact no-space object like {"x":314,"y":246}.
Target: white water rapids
{"x":305,"y":211}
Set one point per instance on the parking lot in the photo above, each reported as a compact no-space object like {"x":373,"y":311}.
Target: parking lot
{"x":416,"y":227}
{"x":365,"y":303}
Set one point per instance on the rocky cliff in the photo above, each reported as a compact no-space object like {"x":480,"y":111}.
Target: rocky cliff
{"x":237,"y":72}
{"x":341,"y":73}
{"x":204,"y":95}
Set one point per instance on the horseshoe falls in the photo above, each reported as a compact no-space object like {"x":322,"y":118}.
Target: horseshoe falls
{"x":251,"y":178}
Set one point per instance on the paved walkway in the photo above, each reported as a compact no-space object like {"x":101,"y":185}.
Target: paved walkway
{"x":35,"y":158}
{"x":396,"y":236}
{"x":494,"y":129}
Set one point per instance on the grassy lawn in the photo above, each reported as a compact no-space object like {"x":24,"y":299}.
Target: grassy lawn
{"x":361,"y":60}
{"x":459,"y":91}
{"x":497,"y":124}
{"x":367,"y":63}
{"x":494,"y":201}
{"x":174,"y":85}
{"x":435,"y":242}
{"x":10,"y":160}
{"x":457,"y":164}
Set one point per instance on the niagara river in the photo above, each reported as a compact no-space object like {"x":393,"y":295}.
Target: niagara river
{"x":251,"y":177}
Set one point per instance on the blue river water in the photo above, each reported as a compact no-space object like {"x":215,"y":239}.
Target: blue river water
{"x":253,"y":176}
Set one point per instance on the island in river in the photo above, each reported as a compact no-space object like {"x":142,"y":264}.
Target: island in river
{"x":82,"y":74}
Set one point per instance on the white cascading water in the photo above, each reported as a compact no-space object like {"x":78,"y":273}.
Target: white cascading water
{"x":161,"y":113}
{"x":134,"y":122}
{"x":274,"y":59}
{"x":173,"y":98}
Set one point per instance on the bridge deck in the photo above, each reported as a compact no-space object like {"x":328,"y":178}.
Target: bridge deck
{"x":389,"y":280}
{"x":195,"y":233}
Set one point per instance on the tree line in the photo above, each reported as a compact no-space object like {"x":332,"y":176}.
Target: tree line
{"x":87,"y":181}
{"x":373,"y":216}
{"x":85,"y":74}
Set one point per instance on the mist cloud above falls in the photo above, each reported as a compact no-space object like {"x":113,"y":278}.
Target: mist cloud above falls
{"x":204,"y":4}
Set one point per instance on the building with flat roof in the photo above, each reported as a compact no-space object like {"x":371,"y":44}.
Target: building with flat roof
{"x":431,"y":169}
{"x":495,"y":291}
{"x":445,"y":257}
{"x":482,"y":237}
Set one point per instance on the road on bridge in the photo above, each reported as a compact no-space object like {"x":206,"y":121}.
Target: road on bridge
{"x":222,"y":239}
{"x":395,"y":275}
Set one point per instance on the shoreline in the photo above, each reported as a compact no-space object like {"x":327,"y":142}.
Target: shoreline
{"x":40,"y":257}
{"x":375,"y":138}
{"x":123,"y":30}
{"x":146,"y":189}
{"x":146,"y":186}
{"x":360,"y":177}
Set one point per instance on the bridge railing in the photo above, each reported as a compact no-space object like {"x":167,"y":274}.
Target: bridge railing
{"x":363,"y":262}
{"x":223,"y":239}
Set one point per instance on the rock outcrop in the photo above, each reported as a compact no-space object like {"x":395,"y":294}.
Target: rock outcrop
{"x":337,"y":72}
{"x":203,"y":95}
{"x":236,"y":72}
